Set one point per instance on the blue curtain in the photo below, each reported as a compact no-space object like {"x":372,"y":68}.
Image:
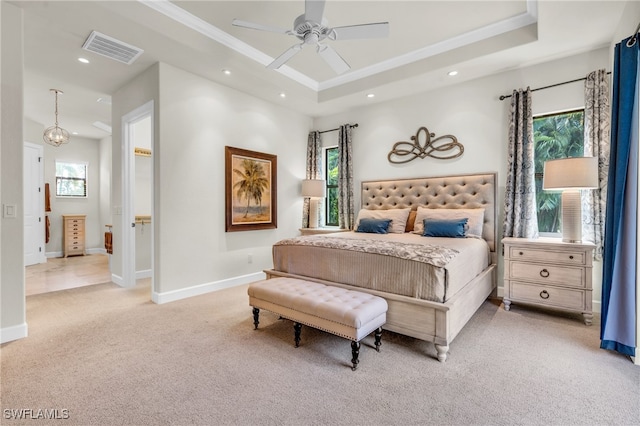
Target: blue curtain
{"x":618,"y":326}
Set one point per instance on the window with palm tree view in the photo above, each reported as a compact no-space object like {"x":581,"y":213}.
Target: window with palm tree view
{"x":555,"y":136}
{"x":331,"y":167}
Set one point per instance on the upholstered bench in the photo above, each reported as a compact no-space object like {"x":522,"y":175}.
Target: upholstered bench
{"x":345,"y":313}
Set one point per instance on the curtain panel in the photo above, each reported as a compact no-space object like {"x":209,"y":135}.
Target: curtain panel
{"x":313,"y":171}
{"x":345,"y":178}
{"x":597,"y":125}
{"x":520,"y":214}
{"x":619,"y":275}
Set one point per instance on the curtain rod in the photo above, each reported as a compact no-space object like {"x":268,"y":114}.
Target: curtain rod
{"x":634,"y":37}
{"x":503,"y":97}
{"x":338,"y":128}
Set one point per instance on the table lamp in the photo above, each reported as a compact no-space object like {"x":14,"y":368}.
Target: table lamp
{"x":570,"y":175}
{"x":314,"y":189}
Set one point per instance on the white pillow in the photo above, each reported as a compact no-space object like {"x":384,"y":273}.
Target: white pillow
{"x":475,"y":216}
{"x":398,"y":218}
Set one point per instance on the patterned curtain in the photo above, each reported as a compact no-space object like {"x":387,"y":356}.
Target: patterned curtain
{"x":313,"y":171}
{"x":345,"y":178}
{"x":596,"y":144}
{"x":520,"y":214}
{"x":619,"y":274}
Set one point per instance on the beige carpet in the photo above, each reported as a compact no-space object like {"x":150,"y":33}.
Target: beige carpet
{"x":110,"y":356}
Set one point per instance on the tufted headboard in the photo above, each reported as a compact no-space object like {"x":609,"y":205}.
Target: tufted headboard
{"x":449,"y":192}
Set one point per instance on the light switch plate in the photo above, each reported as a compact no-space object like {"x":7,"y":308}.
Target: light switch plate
{"x":9,"y":211}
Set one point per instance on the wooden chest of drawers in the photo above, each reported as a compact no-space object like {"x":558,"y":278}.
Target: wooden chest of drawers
{"x":73,"y":235}
{"x":547,"y":272}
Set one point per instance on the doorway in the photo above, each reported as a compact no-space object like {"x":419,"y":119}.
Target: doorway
{"x":137,"y":203}
{"x":34,"y":197}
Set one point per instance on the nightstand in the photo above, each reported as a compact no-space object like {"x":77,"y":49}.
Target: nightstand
{"x":547,"y":272}
{"x":321,"y":230}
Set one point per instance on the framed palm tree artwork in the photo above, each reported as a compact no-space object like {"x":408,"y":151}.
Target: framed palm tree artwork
{"x":250,"y":190}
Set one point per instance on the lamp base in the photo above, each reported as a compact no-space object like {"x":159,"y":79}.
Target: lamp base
{"x":571,"y":217}
{"x":313,"y":212}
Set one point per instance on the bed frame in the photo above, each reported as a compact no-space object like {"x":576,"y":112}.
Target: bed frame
{"x":434,"y":322}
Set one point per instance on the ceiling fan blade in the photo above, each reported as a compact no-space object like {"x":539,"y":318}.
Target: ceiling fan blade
{"x":332,"y":58}
{"x":313,"y":10}
{"x":373,"y":30}
{"x":253,"y":26}
{"x":288,"y":54}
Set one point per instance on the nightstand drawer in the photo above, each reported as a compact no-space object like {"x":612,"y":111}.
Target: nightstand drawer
{"x":544,"y":256}
{"x":548,"y":295}
{"x":542,"y":274}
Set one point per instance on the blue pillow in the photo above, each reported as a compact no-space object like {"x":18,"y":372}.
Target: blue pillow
{"x":455,"y":228}
{"x":374,"y":226}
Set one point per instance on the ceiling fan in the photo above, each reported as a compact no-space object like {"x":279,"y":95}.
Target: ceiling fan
{"x":311,"y":28}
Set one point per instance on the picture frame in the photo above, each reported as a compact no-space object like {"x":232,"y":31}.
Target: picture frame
{"x":250,"y":190}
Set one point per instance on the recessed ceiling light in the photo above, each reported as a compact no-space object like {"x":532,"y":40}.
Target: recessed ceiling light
{"x":226,"y":72}
{"x":283,"y":95}
{"x":371,"y":95}
{"x":83,"y":60}
{"x":452,"y":73}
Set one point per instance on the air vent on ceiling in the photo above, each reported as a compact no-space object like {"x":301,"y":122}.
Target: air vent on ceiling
{"x":111,"y":48}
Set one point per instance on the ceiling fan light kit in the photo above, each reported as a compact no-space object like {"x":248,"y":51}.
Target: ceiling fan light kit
{"x":311,"y":28}
{"x":56,"y":135}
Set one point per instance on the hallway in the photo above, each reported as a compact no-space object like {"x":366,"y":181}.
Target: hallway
{"x":61,"y":273}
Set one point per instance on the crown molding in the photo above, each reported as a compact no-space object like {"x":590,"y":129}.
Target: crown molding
{"x":205,"y":28}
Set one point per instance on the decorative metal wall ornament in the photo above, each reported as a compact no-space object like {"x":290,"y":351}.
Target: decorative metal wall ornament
{"x":429,"y":148}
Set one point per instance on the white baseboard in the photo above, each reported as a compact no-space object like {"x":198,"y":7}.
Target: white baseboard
{"x":117,"y":279}
{"x":183,"y":293}
{"x":52,"y":254}
{"x":148,"y":273}
{"x":16,"y":332}
{"x":96,"y":251}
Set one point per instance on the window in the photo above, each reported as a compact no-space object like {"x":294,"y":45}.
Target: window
{"x":555,"y":136}
{"x":331,"y":170}
{"x":71,"y":179}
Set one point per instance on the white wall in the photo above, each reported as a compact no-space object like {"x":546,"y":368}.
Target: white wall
{"x":473,"y":113}
{"x":13,"y":323}
{"x":78,"y":150}
{"x":197,"y":119}
{"x":194,"y":120}
{"x":104,"y":154}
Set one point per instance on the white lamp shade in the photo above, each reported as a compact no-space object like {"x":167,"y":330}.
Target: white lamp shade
{"x":571,"y":173}
{"x":314,"y":188}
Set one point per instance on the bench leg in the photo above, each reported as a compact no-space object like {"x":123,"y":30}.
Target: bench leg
{"x":256,"y":314}
{"x":355,"y":351}
{"x":378,"y":335}
{"x":296,"y":332}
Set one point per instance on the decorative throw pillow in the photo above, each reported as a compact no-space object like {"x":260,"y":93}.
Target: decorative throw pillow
{"x":445,"y":228}
{"x":398,"y":218}
{"x":475,"y":219}
{"x":374,"y":226}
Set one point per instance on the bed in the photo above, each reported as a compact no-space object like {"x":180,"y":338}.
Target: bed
{"x":433,"y":284}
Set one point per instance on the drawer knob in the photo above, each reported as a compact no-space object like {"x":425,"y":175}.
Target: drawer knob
{"x":544,"y":294}
{"x":544,"y":273}
{"x":521,"y":253}
{"x":571,"y":257}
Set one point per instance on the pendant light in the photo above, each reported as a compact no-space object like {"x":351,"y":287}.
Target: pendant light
{"x":56,"y":135}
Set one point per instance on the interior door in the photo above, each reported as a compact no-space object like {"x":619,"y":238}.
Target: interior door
{"x":34,"y":219}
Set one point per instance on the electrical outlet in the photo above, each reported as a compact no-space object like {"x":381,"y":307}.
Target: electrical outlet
{"x":250,"y":258}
